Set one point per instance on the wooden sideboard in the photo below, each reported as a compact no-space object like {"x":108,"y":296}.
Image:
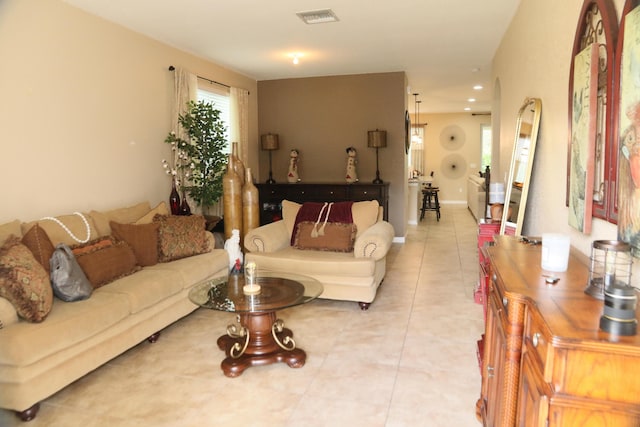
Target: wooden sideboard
{"x":272,"y":195}
{"x":546,"y":363}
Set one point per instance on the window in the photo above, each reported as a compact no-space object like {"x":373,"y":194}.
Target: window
{"x":485,"y":143}
{"x":219,"y":97}
{"x":416,"y":154}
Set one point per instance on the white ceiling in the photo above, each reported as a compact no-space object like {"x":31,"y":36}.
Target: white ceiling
{"x":445,"y":46}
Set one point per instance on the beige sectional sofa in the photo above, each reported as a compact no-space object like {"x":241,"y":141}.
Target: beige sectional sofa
{"x":352,"y":276}
{"x":39,"y":359}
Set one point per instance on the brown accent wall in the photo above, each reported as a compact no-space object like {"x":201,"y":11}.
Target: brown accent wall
{"x":322,"y":116}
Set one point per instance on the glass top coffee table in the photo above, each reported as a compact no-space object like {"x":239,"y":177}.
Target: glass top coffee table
{"x":258,"y":337}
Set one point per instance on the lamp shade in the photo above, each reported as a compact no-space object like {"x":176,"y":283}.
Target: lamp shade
{"x":269,"y":142}
{"x":377,"y":138}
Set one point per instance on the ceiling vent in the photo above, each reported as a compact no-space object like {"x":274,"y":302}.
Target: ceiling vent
{"x":318,"y":16}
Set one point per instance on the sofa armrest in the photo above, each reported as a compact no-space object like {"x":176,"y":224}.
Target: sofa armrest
{"x":267,"y":238}
{"x":375,"y":242}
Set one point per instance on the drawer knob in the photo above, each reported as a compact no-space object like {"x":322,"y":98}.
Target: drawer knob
{"x":490,"y":370}
{"x":535,"y":339}
{"x":505,"y":301}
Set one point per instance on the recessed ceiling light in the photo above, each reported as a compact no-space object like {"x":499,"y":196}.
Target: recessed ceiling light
{"x":467,"y":108}
{"x":320,"y":16}
{"x":478,"y":87}
{"x":471,"y":100}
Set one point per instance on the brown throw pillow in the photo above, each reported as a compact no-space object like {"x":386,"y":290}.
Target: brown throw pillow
{"x":180,"y":236}
{"x":338,"y":237}
{"x":143,"y":239}
{"x":38,"y":242}
{"x":105,"y":260}
{"x":24,"y":282}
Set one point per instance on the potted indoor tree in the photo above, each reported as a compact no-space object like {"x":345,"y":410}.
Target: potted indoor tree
{"x":199,"y":157}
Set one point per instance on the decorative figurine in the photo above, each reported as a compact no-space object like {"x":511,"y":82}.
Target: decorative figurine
{"x":232,"y":246}
{"x":352,"y":174}
{"x":292,"y":176}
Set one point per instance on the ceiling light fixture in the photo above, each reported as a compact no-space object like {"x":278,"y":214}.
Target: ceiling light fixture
{"x":478,"y":87}
{"x":467,"y":108}
{"x":471,"y":100}
{"x":415,"y":138}
{"x":321,"y":16}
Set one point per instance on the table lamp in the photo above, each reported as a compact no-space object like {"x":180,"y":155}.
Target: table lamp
{"x":377,"y":139}
{"x":269,"y":142}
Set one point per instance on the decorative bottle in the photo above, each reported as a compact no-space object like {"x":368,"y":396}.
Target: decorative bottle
{"x":174,"y":199}
{"x":185,"y":209}
{"x":238,"y":166}
{"x":232,"y":200}
{"x":250,"y":211}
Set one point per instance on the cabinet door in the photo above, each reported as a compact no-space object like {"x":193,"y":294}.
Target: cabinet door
{"x":492,"y":376}
{"x":533,"y":396}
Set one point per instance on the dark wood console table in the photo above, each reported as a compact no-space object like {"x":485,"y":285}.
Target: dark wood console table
{"x":272,"y":195}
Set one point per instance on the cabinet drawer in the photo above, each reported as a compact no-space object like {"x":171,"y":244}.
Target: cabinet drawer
{"x":366,"y":193}
{"x":537,"y":339}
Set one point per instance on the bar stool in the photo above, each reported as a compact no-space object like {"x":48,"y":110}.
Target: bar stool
{"x":430,"y":202}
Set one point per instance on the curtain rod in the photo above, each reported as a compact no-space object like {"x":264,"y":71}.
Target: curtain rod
{"x":172,"y":68}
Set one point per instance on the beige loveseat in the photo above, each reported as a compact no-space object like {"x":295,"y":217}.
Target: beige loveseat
{"x":350,"y":276}
{"x":476,"y":195}
{"x":37,"y":359}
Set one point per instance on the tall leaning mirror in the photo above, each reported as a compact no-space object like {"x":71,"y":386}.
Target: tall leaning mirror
{"x":524,"y":148}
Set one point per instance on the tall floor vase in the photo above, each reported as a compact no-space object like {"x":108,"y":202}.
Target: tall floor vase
{"x":232,"y":200}
{"x":250,"y":211}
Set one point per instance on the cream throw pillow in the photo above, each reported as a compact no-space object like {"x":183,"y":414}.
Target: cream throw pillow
{"x":161,"y":209}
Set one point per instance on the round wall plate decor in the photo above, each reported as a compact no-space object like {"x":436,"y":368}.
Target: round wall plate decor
{"x":452,"y":137}
{"x":453,"y":166}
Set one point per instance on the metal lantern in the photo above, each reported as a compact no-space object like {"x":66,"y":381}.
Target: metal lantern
{"x":610,"y":263}
{"x":610,"y":280}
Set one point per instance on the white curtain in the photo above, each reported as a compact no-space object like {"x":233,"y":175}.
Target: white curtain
{"x":239,"y":118}
{"x":185,"y":87}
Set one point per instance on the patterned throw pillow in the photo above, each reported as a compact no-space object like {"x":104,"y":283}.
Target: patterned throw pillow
{"x":142,"y":238}
{"x":105,"y":260}
{"x":337,"y":237}
{"x":38,"y":242}
{"x":24,"y":282}
{"x":180,"y":236}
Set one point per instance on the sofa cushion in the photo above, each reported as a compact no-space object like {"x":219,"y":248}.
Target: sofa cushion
{"x":24,"y":282}
{"x":336,"y":236}
{"x":195,"y":269}
{"x":160,"y":209}
{"x":180,"y":236}
{"x":126,"y":215}
{"x":57,"y":234}
{"x":105,"y":260}
{"x":313,"y":263}
{"x":69,"y":323}
{"x":8,"y":229}
{"x":147,"y":287}
{"x":143,"y":239}
{"x":40,"y":245}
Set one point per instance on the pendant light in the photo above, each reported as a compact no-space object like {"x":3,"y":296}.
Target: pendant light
{"x":415,"y":138}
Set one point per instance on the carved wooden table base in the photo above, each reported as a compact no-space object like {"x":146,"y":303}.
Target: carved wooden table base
{"x":259,"y":339}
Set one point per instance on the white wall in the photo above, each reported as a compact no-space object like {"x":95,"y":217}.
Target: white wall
{"x":85,"y":109}
{"x":534,"y":60}
{"x":453,"y":190}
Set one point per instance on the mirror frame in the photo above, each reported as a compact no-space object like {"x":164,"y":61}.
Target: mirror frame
{"x":535,"y":105}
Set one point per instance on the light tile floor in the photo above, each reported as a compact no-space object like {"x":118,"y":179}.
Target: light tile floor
{"x":409,"y":360}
